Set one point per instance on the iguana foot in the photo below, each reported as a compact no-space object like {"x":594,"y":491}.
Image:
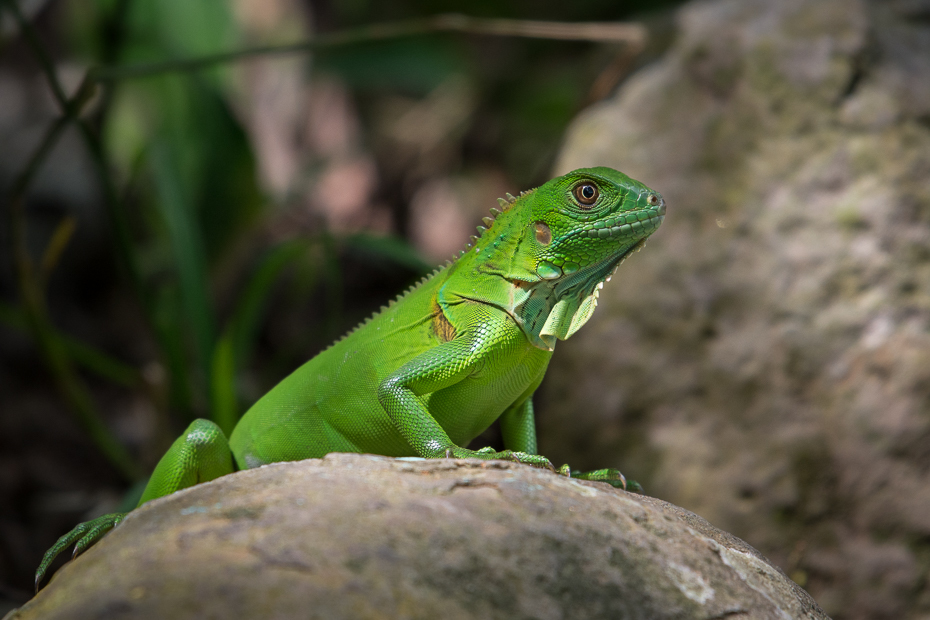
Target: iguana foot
{"x":612,"y":477}
{"x":490,"y":454}
{"x":82,"y":536}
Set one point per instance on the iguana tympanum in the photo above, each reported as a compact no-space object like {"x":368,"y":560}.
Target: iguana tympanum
{"x":427,"y":374}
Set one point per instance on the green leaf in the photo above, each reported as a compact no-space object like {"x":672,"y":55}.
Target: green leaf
{"x":223,"y":394}
{"x":85,"y":355}
{"x":187,"y":249}
{"x":250,"y":307}
{"x":56,"y":245}
{"x":414,"y":65}
{"x":393,"y":249}
{"x":167,"y":315}
{"x":235,"y":346}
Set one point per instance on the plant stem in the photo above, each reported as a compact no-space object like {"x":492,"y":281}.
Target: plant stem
{"x":632,"y":34}
{"x":69,"y":384}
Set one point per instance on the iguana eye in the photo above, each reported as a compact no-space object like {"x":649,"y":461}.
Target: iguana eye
{"x":652,"y":199}
{"x":586,"y":194}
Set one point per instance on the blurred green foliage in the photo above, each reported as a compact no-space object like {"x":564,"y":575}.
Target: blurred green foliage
{"x":186,"y":177}
{"x":179,"y":150}
{"x":411,"y":66}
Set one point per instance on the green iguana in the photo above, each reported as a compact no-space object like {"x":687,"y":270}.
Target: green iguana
{"x":466,"y":346}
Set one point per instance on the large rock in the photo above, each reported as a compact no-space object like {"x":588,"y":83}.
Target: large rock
{"x":765,"y":362}
{"x":355,"y":536}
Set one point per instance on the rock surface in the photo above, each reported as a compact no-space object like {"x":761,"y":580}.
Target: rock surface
{"x":356,"y":536}
{"x":765,"y":362}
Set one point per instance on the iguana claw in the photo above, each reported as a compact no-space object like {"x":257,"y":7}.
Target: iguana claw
{"x":82,"y":536}
{"x":612,"y":477}
{"x":490,"y":454}
{"x":535,"y":460}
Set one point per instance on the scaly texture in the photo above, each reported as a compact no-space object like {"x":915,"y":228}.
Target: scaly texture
{"x":430,"y":372}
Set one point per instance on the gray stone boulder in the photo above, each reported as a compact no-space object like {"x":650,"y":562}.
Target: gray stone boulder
{"x":356,"y":536}
{"x":765,"y":362}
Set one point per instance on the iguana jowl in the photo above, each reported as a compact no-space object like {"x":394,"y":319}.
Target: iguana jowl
{"x":427,"y":374}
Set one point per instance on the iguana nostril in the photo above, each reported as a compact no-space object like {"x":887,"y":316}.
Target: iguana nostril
{"x":654,"y":200}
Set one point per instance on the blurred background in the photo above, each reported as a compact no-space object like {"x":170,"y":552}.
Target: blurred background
{"x":200,"y":235}
{"x":195,"y":236}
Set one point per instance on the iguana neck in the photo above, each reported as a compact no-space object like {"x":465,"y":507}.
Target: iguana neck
{"x":499,"y":270}
{"x":548,"y":310}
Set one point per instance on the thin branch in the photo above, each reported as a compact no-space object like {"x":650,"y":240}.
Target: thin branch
{"x":41,"y":55}
{"x":49,"y":140}
{"x":71,"y":110}
{"x":70,"y":107}
{"x":632,"y":34}
{"x":55,"y":354}
{"x":89,"y":357}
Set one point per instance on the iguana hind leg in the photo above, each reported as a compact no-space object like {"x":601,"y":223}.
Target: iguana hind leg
{"x":199,"y":455}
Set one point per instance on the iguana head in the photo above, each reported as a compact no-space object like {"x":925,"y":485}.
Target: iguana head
{"x":558,"y":243}
{"x":587,"y":221}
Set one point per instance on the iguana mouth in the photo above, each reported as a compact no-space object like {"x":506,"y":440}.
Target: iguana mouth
{"x":625,"y":225}
{"x":648,"y":226}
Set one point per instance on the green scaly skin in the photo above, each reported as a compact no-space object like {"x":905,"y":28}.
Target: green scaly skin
{"x":465,"y":347}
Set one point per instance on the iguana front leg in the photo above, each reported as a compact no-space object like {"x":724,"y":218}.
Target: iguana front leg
{"x":518,"y":428}
{"x":438,"y":368}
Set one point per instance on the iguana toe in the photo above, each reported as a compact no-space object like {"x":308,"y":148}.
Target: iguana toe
{"x":82,"y":536}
